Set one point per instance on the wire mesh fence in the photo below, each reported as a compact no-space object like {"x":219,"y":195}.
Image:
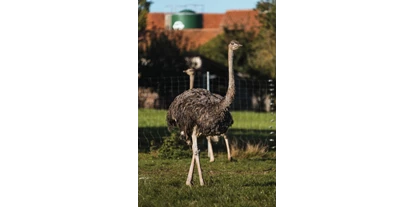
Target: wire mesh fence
{"x":253,"y":109}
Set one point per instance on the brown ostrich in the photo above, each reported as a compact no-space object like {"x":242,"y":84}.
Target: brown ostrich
{"x":198,"y":112}
{"x":190,"y":72}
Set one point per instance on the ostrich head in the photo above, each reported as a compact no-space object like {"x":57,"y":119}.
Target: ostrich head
{"x":189,"y":71}
{"x":234,"y":45}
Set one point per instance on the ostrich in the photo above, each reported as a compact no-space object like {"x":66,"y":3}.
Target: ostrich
{"x":190,"y":72}
{"x":198,"y":112}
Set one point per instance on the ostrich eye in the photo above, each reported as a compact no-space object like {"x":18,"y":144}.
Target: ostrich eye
{"x":232,"y":43}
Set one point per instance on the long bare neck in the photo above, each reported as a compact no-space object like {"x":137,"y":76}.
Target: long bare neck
{"x":228,"y":99}
{"x":191,"y":81}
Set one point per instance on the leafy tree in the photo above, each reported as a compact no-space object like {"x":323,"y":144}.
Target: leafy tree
{"x":159,"y":51}
{"x":267,"y":15}
{"x":257,"y":57}
{"x":264,"y":56}
{"x":217,"y":50}
{"x":163,"y":51}
{"x":143,"y":10}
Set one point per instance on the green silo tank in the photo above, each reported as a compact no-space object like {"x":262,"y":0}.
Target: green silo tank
{"x":186,"y":19}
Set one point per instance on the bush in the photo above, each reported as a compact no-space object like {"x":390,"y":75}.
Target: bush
{"x":174,"y":147}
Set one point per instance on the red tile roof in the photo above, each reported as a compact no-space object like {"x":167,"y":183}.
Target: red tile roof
{"x":212,"y":24}
{"x":188,"y":38}
{"x":155,"y":20}
{"x":197,"y":37}
{"x":212,"y":20}
{"x":246,"y":18}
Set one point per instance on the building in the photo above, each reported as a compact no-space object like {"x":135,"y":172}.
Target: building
{"x":211,"y":24}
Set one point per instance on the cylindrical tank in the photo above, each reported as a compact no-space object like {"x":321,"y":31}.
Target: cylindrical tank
{"x":186,"y":19}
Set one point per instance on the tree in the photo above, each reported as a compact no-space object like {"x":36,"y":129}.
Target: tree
{"x":159,"y":51}
{"x":264,"y":47}
{"x":267,"y":15}
{"x":257,"y":57}
{"x":216,"y":48}
{"x":143,"y":10}
{"x":163,"y":54}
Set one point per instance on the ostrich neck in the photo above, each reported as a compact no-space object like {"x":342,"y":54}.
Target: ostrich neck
{"x":191,"y":81}
{"x":228,"y":99}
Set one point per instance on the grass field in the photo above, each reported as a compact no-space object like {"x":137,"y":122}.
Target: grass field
{"x":248,"y":127}
{"x":245,"y":182}
{"x":242,"y":119}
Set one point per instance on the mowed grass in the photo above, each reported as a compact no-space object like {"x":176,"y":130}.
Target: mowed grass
{"x":248,"y":126}
{"x":245,"y":182}
{"x":242,"y":119}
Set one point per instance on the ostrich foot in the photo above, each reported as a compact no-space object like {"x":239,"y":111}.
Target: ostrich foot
{"x":189,"y":183}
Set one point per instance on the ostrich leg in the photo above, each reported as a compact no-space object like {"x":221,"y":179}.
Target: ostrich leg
{"x":210,"y":149}
{"x":228,"y":147}
{"x":196,"y":152}
{"x":189,"y":181}
{"x":190,"y":172}
{"x":195,"y":158}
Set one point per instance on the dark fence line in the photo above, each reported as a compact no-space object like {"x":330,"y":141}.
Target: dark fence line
{"x":252,"y":95}
{"x":159,"y":92}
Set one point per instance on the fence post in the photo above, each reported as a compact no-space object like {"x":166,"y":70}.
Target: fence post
{"x":208,"y":88}
{"x":208,"y":80}
{"x":272,"y":93}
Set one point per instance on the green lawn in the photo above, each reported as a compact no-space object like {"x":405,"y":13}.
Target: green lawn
{"x":247,"y":182}
{"x":242,"y":119}
{"x":243,"y":182}
{"x":248,"y":126}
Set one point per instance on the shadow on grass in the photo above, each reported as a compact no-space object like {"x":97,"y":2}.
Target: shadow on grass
{"x":153,"y":136}
{"x":260,"y":184}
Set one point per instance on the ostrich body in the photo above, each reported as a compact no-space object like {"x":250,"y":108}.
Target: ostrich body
{"x":217,"y":98}
{"x":199,"y":112}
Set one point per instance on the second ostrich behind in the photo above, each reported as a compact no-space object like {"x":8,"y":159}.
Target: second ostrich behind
{"x":199,"y":112}
{"x":190,"y":72}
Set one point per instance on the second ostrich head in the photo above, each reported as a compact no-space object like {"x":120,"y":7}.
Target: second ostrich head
{"x":234,"y":45}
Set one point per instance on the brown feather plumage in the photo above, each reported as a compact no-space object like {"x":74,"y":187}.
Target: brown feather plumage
{"x":199,"y":107}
